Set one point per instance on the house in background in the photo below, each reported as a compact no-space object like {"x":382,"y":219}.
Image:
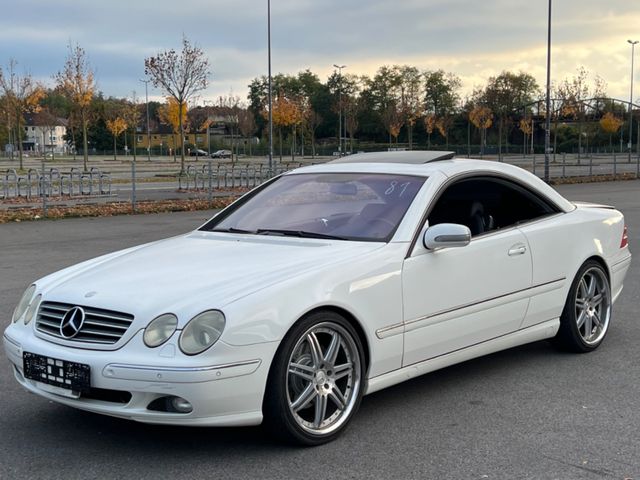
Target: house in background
{"x":45,"y":132}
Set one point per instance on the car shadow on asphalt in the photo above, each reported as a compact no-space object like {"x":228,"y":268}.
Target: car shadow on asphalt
{"x":377,"y":412}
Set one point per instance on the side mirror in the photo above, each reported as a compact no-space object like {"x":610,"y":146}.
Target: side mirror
{"x":446,"y":235}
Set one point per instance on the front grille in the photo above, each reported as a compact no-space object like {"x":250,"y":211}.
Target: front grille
{"x":100,"y":326}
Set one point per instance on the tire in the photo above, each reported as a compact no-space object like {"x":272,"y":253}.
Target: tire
{"x":587,"y":313}
{"x":316,"y":380}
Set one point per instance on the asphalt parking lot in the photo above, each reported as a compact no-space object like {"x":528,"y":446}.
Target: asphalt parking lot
{"x":529,"y":412}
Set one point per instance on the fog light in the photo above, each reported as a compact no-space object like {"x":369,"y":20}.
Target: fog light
{"x":181,"y":405}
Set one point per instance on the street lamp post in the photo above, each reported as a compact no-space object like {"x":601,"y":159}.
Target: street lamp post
{"x":547,"y":128}
{"x":340,"y":67}
{"x":146,"y":97}
{"x":269,"y":89}
{"x":633,"y":45}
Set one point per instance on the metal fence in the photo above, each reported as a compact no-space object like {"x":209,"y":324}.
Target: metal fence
{"x":203,"y":177}
{"x":54,"y":183}
{"x":160,"y":180}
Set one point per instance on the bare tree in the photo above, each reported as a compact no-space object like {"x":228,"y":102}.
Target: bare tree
{"x":77,"y":82}
{"x":352,"y":109}
{"x":573,"y":94}
{"x":21,"y":95}
{"x":47,"y":121}
{"x":247,"y":125}
{"x":131,"y":114}
{"x":228,"y":107}
{"x":181,"y":76}
{"x":411,"y":92}
{"x":315,"y":120}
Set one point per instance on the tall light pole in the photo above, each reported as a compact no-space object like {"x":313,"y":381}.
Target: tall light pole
{"x":269,"y":89}
{"x":340,"y":67}
{"x":547,"y":127}
{"x":146,"y":99}
{"x":633,"y":46}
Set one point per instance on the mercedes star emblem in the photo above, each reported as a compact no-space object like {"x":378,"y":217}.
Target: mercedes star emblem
{"x":72,"y":322}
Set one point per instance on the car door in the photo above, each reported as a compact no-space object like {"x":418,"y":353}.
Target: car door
{"x":457,"y":297}
{"x":555,"y":262}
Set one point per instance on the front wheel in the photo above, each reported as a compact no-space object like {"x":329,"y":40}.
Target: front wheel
{"x":316,"y":381}
{"x":585,"y":319}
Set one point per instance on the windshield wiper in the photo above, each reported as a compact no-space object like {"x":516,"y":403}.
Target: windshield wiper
{"x":297,"y":233}
{"x":233,"y":230}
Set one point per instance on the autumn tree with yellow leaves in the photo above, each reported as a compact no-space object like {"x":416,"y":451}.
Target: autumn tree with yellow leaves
{"x":286,"y":113}
{"x":526,"y":127}
{"x":429,"y":126}
{"x":21,"y":96}
{"x":482,"y":118}
{"x":610,"y":124}
{"x":116,"y":126}
{"x":443,"y":124}
{"x":174,"y":115}
{"x":77,"y":83}
{"x":393,"y":120}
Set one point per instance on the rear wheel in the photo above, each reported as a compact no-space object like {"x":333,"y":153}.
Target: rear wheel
{"x":586,"y":315}
{"x":315,"y":383}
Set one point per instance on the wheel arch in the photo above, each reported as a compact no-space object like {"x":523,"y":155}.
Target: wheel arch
{"x":595,"y":257}
{"x":349,"y":317}
{"x":267,"y":401}
{"x":600,"y":260}
{"x":353,"y":321}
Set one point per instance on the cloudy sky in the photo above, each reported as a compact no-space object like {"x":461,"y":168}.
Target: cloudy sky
{"x":475,"y":39}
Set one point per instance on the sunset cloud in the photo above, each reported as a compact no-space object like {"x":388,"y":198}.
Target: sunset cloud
{"x":472,"y":39}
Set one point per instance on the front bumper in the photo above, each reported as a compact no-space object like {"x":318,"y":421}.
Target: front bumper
{"x":225,"y":385}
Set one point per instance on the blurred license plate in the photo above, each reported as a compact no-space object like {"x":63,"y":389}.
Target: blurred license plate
{"x":57,"y":373}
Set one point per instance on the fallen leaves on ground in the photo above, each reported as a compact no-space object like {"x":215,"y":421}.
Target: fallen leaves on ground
{"x":112,"y":209}
{"x":593,"y":178}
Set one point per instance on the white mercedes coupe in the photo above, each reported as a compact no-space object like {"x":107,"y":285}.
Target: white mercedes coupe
{"x":320,"y":286}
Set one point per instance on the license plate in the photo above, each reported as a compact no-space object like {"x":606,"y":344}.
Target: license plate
{"x":58,"y":373}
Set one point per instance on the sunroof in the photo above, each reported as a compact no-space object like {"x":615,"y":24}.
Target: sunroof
{"x":416,"y":157}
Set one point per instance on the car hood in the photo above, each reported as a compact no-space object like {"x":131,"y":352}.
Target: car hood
{"x":197,"y":271}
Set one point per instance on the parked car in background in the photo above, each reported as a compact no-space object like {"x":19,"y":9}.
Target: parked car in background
{"x":221,"y":154}
{"x":322,"y":285}
{"x":197,"y":152}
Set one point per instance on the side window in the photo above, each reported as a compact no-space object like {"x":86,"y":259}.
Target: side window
{"x":485,"y":204}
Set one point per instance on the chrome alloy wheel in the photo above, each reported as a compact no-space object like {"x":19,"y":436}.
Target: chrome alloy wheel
{"x":593,"y":306}
{"x":323,"y":378}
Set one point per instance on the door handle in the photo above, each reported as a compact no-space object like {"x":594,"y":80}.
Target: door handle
{"x":517,"y":250}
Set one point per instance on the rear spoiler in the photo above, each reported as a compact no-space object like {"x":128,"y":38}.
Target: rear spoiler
{"x":592,"y":205}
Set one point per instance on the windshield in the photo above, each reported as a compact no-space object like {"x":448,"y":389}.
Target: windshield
{"x":348,"y":206}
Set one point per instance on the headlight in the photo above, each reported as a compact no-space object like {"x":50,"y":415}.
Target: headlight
{"x":24,"y":303}
{"x":160,"y":330}
{"x":33,"y":308}
{"x":201,"y":332}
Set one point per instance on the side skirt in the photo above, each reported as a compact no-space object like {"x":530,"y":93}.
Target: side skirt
{"x":527,"y":335}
